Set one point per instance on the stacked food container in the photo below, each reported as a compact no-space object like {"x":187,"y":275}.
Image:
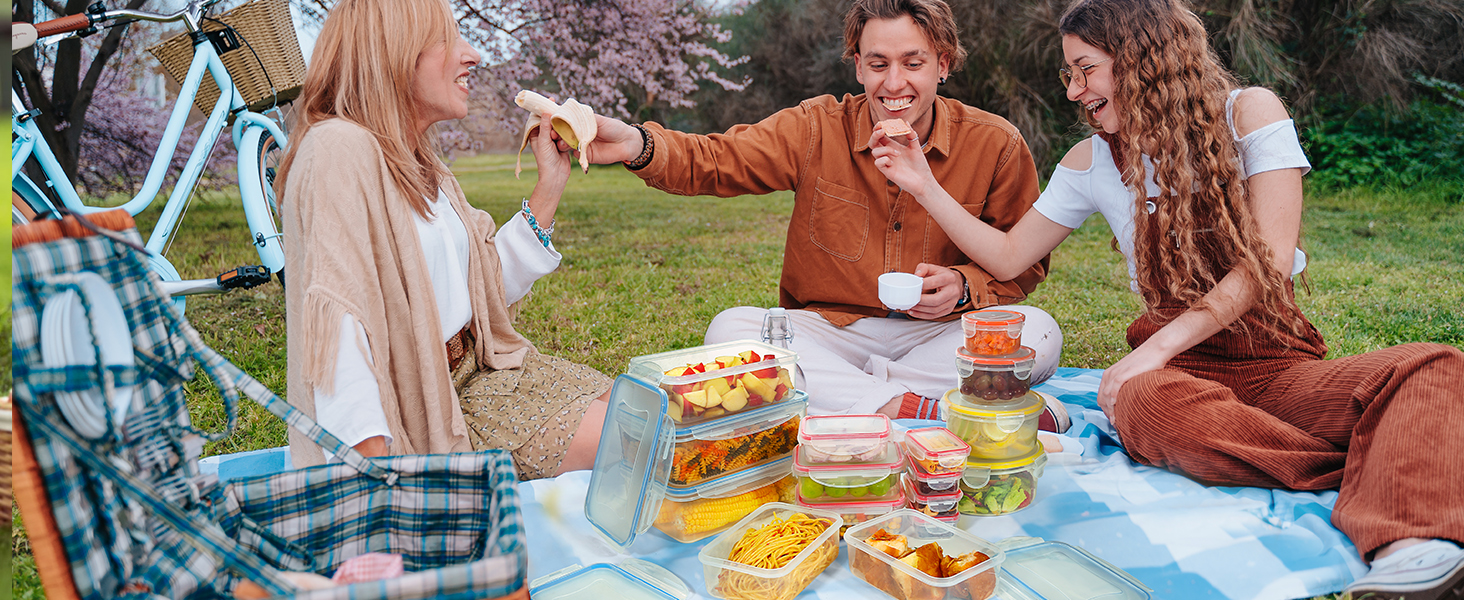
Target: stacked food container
{"x":849,"y":465}
{"x":936,"y":459}
{"x":695,"y":440}
{"x":994,"y":410}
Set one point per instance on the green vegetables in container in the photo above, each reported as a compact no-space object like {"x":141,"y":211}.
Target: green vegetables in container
{"x":1002,"y":495}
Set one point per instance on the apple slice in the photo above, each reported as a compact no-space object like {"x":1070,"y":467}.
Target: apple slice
{"x":713,"y":397}
{"x":750,"y":357}
{"x":720,"y":384}
{"x":756,"y":387}
{"x":673,"y":408}
{"x":735,"y":400}
{"x":714,"y":412}
{"x":729,"y":361}
{"x":779,"y":391}
{"x":785,"y":377}
{"x":697,"y":397}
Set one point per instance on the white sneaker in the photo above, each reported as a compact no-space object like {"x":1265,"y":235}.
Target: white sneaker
{"x":1432,"y":570}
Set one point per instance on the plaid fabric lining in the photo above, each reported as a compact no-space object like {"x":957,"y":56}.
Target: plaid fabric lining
{"x":163,"y":530}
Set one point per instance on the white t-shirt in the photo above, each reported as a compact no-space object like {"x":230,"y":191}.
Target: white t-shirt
{"x":1072,"y":196}
{"x":353,"y":412}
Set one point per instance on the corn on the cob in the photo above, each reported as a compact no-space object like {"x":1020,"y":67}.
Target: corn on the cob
{"x":701,"y":516}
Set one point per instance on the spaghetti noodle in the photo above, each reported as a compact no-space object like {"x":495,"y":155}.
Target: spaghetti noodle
{"x":773,"y":546}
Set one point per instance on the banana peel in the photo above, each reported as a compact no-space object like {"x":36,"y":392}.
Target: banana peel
{"x":574,"y":122}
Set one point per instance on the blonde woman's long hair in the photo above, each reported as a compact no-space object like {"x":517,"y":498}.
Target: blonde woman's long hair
{"x":362,"y":70}
{"x":1172,"y":92}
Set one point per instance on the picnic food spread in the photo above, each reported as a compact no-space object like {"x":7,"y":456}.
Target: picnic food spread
{"x":993,"y":332}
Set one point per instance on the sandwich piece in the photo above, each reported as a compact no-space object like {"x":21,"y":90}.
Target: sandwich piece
{"x":898,"y":131}
{"x":927,"y":560}
{"x":978,"y":587}
{"x":893,"y":545}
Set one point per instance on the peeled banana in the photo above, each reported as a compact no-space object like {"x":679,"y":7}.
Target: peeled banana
{"x":574,"y":122}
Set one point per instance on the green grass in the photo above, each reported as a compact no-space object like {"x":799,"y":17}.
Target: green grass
{"x":645,"y":272}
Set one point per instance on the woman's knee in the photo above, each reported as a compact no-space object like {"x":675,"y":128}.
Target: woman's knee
{"x":738,"y":323}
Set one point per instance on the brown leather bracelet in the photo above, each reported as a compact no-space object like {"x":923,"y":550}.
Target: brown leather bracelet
{"x":648,"y":149}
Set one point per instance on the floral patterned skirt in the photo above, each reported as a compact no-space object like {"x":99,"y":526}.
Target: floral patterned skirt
{"x":532,"y":411}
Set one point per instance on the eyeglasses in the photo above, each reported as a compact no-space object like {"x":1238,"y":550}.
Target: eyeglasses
{"x":1068,"y":76}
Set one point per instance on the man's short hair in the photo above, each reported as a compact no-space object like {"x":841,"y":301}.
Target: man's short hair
{"x":932,"y":16}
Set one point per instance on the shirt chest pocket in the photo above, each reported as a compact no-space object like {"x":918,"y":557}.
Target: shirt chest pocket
{"x":839,"y":220}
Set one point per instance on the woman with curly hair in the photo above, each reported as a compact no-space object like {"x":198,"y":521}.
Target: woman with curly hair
{"x":1200,"y":180}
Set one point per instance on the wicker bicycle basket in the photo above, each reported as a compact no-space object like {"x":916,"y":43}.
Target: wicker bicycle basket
{"x":268,"y":29}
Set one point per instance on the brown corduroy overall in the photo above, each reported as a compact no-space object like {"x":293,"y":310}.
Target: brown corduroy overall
{"x":1385,"y":427}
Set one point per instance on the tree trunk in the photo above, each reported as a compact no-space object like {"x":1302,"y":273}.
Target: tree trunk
{"x":63,"y":107}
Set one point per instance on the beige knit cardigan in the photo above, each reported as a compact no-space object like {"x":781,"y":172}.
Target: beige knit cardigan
{"x":351,"y":246}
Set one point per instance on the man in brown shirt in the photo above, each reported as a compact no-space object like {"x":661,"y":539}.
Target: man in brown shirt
{"x":850,"y":224}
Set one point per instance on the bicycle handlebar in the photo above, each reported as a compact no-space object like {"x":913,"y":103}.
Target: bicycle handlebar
{"x":63,"y":25}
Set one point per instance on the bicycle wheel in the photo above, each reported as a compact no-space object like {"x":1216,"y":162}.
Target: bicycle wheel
{"x":257,"y":169}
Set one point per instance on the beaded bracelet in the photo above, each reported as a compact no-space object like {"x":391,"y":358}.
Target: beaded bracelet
{"x":542,"y":233}
{"x":648,"y":149}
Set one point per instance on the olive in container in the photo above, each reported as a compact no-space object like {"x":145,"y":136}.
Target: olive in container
{"x":995,"y":378}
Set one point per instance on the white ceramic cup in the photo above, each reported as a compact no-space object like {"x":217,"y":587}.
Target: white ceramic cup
{"x":900,"y":291}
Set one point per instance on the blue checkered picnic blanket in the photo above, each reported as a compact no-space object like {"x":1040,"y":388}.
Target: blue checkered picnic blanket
{"x":1180,"y":538}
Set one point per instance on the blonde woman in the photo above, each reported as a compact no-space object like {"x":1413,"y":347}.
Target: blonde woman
{"x":400,"y":294}
{"x":1200,"y":181}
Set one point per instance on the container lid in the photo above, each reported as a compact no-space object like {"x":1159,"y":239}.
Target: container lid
{"x":912,"y":493}
{"x":746,"y":422}
{"x":918,"y":472}
{"x":1022,"y":355}
{"x":889,"y":461}
{"x":734,"y":483}
{"x":653,"y":367}
{"x":845,"y":507}
{"x":844,"y":427}
{"x":1026,"y":405}
{"x":1058,"y":571}
{"x":956,"y":398}
{"x":633,"y":462}
{"x":993,"y":318}
{"x":633,"y":579}
{"x":936,"y":444}
{"x":977,"y":475}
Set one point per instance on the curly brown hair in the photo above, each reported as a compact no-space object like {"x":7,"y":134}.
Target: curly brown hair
{"x":934,"y":17}
{"x":1172,"y":93}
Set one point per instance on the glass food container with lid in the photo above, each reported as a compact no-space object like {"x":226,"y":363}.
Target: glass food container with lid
{"x":995,"y":378}
{"x":996,"y":432}
{"x":993,"y":332}
{"x":1001,"y":488}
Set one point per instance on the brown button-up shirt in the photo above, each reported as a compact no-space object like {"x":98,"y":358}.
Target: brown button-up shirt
{"x":849,"y":223}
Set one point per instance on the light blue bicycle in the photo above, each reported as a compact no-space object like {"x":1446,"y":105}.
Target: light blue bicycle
{"x":260,"y":140}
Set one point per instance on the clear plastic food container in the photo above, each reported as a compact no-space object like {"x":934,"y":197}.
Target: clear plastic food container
{"x":995,"y":378}
{"x":900,"y":579}
{"x":934,"y":485}
{"x":708,"y":382}
{"x":726,"y":578}
{"x":632,"y":579}
{"x":1058,"y":571}
{"x":993,"y":332}
{"x":855,"y":513}
{"x":872,"y":481}
{"x":690,"y":514}
{"x":844,"y":438}
{"x":711,"y":449}
{"x":996,"y":432}
{"x":940,"y":506}
{"x":936,"y":450}
{"x":1001,"y":488}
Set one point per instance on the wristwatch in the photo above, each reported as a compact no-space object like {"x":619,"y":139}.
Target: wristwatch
{"x":965,"y":292}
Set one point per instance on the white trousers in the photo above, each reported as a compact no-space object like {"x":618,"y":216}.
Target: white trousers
{"x":858,"y":369}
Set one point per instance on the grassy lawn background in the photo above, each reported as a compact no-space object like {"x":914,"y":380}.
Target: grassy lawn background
{"x":645,"y":272}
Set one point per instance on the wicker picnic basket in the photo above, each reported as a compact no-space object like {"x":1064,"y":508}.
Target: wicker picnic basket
{"x":121,"y":509}
{"x":274,"y":78}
